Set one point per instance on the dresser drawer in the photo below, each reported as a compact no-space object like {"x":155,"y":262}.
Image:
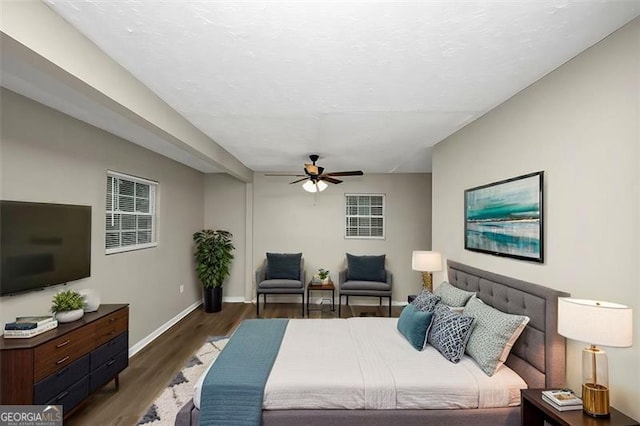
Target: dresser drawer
{"x":72,"y":396}
{"x":110,"y":326}
{"x":107,"y":351}
{"x":108,"y":370}
{"x":62,"y":351}
{"x":59,"y":381}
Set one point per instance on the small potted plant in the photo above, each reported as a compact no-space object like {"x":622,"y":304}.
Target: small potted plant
{"x":67,"y":306}
{"x":323,"y":274}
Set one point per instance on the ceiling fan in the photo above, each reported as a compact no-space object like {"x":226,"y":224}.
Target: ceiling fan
{"x":316,"y":177}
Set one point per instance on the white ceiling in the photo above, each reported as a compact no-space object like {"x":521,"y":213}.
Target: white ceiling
{"x":367,"y":85}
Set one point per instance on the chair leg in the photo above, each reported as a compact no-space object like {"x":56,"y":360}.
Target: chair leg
{"x":302,"y":304}
{"x":339,"y":306}
{"x":389,"y":306}
{"x":380,"y":303}
{"x":258,"y":305}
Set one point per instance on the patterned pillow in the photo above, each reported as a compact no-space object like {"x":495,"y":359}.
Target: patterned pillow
{"x":452,"y":296}
{"x":450,"y":332}
{"x":493,"y":336}
{"x":426,"y":301}
{"x":414,"y":324}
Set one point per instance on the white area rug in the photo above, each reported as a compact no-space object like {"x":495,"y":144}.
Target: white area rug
{"x":164,"y":409}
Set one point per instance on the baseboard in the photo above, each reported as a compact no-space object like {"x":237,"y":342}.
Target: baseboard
{"x":234,"y":299}
{"x":164,"y":327}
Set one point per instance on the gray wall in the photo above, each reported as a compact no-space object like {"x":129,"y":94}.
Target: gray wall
{"x":50,"y":157}
{"x":225,"y":208}
{"x":288,"y":219}
{"x":580,"y":125}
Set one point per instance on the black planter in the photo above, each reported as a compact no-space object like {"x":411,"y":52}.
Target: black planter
{"x":213,"y":299}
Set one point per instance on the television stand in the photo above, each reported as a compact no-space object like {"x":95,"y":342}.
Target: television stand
{"x":65,"y":365}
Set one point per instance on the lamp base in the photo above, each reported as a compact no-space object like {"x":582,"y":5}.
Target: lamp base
{"x":595,"y":400}
{"x":427,"y":281}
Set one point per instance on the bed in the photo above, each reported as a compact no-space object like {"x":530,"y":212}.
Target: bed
{"x":537,"y":360}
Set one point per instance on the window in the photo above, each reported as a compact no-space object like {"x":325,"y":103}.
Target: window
{"x":364,"y":216}
{"x":131,"y":213}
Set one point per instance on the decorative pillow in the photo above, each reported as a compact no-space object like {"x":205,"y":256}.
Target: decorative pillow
{"x":414,"y":324}
{"x":450,"y":332}
{"x":452,"y":296}
{"x":366,"y":268}
{"x":283,"y":266}
{"x":493,"y":336}
{"x":426,"y":301}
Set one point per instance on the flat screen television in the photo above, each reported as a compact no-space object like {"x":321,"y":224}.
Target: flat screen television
{"x":42,"y":245}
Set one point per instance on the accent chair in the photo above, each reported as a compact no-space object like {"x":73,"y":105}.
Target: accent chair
{"x":365,"y":276}
{"x":280,"y":273}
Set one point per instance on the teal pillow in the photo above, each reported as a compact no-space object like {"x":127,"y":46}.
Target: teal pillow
{"x":414,"y":324}
{"x":366,"y":268}
{"x":283,"y":266}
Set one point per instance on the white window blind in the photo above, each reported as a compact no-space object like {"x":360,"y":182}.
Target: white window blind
{"x":131,"y":213}
{"x":364,"y":216}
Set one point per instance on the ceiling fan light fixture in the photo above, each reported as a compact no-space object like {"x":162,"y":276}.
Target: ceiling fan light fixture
{"x":311,"y":186}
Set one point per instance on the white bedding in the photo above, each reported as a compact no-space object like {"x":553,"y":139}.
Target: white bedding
{"x":365,"y":363}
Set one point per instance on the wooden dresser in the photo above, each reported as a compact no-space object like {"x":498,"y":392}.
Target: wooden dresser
{"x":64,"y":365}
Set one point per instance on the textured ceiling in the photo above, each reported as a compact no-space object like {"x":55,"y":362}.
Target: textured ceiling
{"x":367,"y":85}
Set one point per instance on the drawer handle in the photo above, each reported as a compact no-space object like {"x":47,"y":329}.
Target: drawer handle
{"x":62,"y":396}
{"x":110,"y":363}
{"x":61,"y":372}
{"x":65,"y":343}
{"x":62,"y":360}
{"x":112,"y":319}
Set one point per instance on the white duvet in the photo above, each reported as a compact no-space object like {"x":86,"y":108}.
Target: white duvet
{"x":365,"y":363}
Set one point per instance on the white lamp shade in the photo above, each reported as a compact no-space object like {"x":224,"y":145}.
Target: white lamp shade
{"x":426,"y":261}
{"x":311,"y":186}
{"x":594,"y":322}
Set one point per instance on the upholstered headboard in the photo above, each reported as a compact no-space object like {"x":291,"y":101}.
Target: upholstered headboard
{"x":539,"y":353}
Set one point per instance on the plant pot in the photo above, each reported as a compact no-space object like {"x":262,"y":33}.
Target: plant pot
{"x":69,"y":316}
{"x":212,"y":299}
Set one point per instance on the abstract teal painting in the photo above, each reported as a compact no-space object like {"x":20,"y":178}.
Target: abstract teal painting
{"x":505,"y":218}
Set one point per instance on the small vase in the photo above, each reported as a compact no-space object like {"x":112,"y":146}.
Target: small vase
{"x":326,"y":280}
{"x":69,"y":316}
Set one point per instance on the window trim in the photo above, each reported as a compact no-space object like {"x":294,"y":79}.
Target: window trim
{"x":153,"y":212}
{"x":383,"y":216}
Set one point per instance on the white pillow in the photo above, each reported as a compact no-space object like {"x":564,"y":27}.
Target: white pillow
{"x":494,"y":334}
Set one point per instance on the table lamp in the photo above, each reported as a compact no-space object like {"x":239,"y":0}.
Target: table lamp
{"x":426,"y":262}
{"x":596,"y":323}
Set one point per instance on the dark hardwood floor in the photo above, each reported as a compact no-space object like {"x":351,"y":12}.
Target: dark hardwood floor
{"x":151,"y":369}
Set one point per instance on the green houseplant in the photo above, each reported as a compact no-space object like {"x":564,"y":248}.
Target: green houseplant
{"x":67,"y":306}
{"x":213,"y":257}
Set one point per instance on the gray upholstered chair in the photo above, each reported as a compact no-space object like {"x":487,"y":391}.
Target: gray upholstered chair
{"x":365,"y":276}
{"x":281,"y":273}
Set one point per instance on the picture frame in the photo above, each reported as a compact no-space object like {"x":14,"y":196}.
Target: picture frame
{"x":506,"y":218}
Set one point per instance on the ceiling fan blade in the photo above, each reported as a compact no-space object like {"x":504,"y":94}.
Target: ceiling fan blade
{"x":351,"y":173}
{"x":299,"y":180}
{"x":329,"y":179}
{"x":283,"y":174}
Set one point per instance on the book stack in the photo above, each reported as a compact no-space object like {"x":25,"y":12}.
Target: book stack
{"x":25,"y":327}
{"x":562,"y":399}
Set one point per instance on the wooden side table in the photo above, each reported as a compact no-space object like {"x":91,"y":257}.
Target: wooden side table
{"x":535,"y":412}
{"x":322,"y":287}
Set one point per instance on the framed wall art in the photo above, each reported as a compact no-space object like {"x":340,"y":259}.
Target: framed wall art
{"x":505,"y":218}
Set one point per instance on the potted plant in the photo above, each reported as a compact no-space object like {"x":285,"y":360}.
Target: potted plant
{"x":67,"y":306}
{"x":213,"y":261}
{"x":323,"y":274}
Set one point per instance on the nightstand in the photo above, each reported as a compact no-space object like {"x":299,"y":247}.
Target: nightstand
{"x":535,"y":412}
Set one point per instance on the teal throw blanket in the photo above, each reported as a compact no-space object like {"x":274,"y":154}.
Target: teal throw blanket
{"x":233,"y":390}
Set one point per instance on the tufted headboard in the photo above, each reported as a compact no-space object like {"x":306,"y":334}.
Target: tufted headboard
{"x":539,"y":353}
